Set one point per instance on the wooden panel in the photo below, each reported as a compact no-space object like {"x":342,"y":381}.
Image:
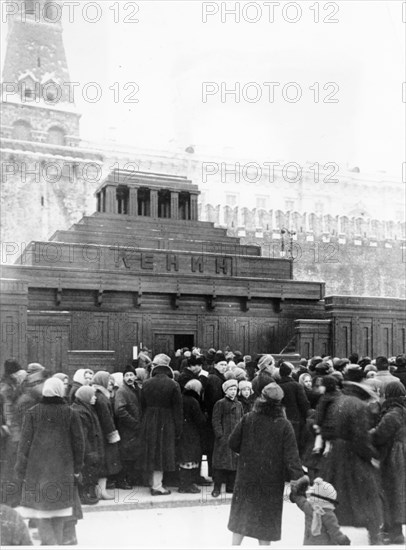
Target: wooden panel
{"x":163,"y":343}
{"x":13,"y":307}
{"x":92,"y":359}
{"x":48,"y":339}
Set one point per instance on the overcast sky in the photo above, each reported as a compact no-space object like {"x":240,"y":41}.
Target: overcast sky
{"x":170,"y":53}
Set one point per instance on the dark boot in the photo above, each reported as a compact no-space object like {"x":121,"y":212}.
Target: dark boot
{"x":69,"y":533}
{"x":199,"y":479}
{"x":230,"y":481}
{"x":185,"y":482}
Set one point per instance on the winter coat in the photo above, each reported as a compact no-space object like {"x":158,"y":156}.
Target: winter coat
{"x":401,"y":375}
{"x":213,"y":391}
{"x":128,"y":412}
{"x":74,"y":388}
{"x":13,"y":530}
{"x":382,"y":378}
{"x":226,"y":415}
{"x":324,"y":416}
{"x":161,"y":402}
{"x":348,"y":465}
{"x":247,"y":403}
{"x":10,"y":392}
{"x":389,"y":437}
{"x":51,"y":450}
{"x":190,"y":448}
{"x":94,"y":442}
{"x":267,"y":449}
{"x":105,"y":414}
{"x":295,"y":401}
{"x":331,"y":534}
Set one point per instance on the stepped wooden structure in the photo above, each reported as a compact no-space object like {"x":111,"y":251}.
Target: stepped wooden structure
{"x":144,"y":270}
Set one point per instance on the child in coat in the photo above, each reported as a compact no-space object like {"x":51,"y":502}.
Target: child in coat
{"x":226,"y":414}
{"x":246,"y":395}
{"x":318,"y":504}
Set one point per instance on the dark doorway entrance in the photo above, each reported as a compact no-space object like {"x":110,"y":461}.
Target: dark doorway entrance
{"x":184,"y":341}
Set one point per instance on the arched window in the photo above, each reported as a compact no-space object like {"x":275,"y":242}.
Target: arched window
{"x":22,"y":130}
{"x":56,"y":136}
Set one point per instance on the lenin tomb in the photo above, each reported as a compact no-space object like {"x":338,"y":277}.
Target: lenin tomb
{"x":143,"y":270}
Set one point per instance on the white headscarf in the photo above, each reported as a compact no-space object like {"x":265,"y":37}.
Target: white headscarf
{"x":53,"y":387}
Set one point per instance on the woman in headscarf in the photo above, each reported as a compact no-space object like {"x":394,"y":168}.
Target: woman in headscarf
{"x":266,"y":444}
{"x":103,"y":382}
{"x":65,"y":380}
{"x":49,"y":461}
{"x":389,"y":436}
{"x":82,"y":377}
{"x":85,"y":399}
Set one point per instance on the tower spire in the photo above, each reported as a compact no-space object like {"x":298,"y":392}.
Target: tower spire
{"x":37,"y":103}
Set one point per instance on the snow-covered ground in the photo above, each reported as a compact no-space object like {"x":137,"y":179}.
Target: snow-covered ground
{"x":186,"y":527}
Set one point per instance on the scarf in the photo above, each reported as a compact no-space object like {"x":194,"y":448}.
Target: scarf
{"x":319,"y":506}
{"x":53,"y":387}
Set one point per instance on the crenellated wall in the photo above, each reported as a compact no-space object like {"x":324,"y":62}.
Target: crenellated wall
{"x":352,"y":255}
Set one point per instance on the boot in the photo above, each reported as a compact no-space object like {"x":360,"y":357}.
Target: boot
{"x":69,"y":533}
{"x":185,"y":482}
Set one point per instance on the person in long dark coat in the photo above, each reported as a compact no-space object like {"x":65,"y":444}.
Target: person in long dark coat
{"x":85,"y":399}
{"x":350,"y":465}
{"x":161,"y":402}
{"x":190,"y":448}
{"x":104,"y":382}
{"x":10,"y":390}
{"x":128,"y":412}
{"x":213,"y":392}
{"x":226,"y":414}
{"x":266,"y":444}
{"x":389,"y":436}
{"x":295,"y":400}
{"x":49,"y":460}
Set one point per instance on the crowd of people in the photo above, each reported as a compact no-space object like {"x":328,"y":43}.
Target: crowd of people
{"x":335,"y":428}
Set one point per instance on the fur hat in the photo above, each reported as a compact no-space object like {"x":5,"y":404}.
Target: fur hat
{"x":229,"y":384}
{"x":266,"y":360}
{"x":161,"y":360}
{"x":11,"y":366}
{"x":322,"y":492}
{"x":286,"y":369}
{"x":129,"y":368}
{"x":243,"y":384}
{"x":239,"y":374}
{"x":219,"y":356}
{"x":354,"y":373}
{"x":322,"y":368}
{"x":272,"y":392}
{"x":400,"y":360}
